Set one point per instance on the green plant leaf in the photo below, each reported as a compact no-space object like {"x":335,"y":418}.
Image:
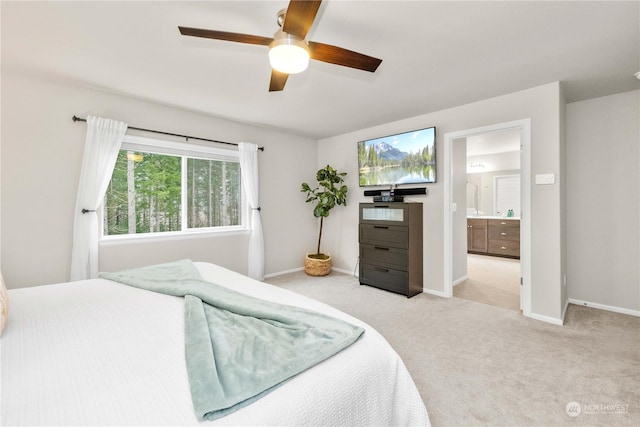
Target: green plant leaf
{"x":329,"y":192}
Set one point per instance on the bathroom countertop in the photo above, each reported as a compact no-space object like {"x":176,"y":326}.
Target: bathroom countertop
{"x":491,"y":217}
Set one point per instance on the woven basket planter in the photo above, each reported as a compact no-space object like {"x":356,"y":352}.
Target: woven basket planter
{"x":317,"y":266}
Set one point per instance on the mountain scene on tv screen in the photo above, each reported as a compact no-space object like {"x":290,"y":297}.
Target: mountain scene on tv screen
{"x":400,"y":159}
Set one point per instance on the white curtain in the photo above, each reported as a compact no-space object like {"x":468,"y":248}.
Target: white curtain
{"x":104,"y":138}
{"x":249,"y":171}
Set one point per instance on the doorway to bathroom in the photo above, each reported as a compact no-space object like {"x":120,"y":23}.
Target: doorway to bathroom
{"x":490,"y":274}
{"x":487,"y":231}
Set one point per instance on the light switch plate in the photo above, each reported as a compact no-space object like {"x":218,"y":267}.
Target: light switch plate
{"x":545,"y":178}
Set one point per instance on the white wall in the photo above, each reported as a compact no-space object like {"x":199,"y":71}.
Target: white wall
{"x":542,"y":106}
{"x":603,"y":200}
{"x":40,"y":165}
{"x":562,"y":105}
{"x":459,"y":217}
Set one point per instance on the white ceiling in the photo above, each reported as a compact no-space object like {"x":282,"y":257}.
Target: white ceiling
{"x":435,"y":55}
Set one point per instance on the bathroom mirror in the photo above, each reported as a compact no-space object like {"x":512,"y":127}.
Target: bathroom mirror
{"x":483,"y":197}
{"x":493,"y":173}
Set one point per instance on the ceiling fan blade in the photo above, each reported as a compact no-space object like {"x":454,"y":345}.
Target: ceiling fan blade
{"x":339,"y":56}
{"x":224,"y":35}
{"x":278,"y":81}
{"x":300,"y":16}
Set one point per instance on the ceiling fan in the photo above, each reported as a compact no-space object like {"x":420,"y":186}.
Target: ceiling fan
{"x":289,"y":52}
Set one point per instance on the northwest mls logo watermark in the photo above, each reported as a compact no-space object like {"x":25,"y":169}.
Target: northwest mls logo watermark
{"x":574,"y":409}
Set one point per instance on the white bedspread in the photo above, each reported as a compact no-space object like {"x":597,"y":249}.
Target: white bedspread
{"x":97,"y":352}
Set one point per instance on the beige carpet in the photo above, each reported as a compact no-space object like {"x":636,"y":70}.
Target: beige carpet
{"x":492,"y":280}
{"x":476,"y":364}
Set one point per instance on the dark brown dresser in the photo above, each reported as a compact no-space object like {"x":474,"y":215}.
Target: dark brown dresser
{"x":390,"y":239}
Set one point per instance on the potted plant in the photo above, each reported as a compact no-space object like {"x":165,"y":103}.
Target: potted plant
{"x":329,"y":192}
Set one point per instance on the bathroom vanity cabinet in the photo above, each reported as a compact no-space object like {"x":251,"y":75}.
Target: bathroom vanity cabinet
{"x":494,"y":236}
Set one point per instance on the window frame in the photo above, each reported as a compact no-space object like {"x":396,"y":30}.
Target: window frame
{"x":184,"y":151}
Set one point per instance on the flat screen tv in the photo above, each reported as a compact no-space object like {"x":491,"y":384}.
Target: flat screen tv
{"x":403,"y":158}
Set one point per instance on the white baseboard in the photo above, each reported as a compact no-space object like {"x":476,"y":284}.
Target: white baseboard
{"x":341,"y":270}
{"x":560,"y":321}
{"x":294,"y":270}
{"x":547,"y":319}
{"x":460,"y":280}
{"x":282,"y":273}
{"x":564,"y":310}
{"x":605,"y":307}
{"x":436,"y":293}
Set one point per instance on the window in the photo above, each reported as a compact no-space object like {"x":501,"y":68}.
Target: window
{"x":160,"y":186}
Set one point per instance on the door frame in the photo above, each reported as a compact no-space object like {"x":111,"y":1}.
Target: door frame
{"x":525,"y":193}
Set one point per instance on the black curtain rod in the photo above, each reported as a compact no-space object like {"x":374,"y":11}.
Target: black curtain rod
{"x":79,"y":119}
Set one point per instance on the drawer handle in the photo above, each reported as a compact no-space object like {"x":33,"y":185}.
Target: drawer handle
{"x":381,"y":226}
{"x":503,"y":248}
{"x":384,"y":270}
{"x":380,"y":249}
{"x":503,"y":234}
{"x":503,"y":223}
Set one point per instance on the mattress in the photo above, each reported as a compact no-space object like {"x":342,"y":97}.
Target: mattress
{"x":96,"y":352}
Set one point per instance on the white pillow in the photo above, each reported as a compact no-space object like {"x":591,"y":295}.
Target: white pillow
{"x":4,"y":304}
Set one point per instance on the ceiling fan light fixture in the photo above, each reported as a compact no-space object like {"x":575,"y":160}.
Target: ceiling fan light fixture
{"x":289,"y":51}
{"x":288,"y":54}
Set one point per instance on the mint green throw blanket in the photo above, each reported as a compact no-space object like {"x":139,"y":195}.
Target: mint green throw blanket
{"x":239,"y":348}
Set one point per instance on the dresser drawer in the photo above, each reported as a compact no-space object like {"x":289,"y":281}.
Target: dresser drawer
{"x":512,"y":223}
{"x":384,"y":256}
{"x":475,"y":222}
{"x":390,"y":236}
{"x":385,"y":278}
{"x":384,"y":213}
{"x":504,"y":233}
{"x":504,"y":247}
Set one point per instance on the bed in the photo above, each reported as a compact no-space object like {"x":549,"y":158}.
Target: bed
{"x":97,"y":352}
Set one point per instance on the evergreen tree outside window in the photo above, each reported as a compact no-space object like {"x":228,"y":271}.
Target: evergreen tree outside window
{"x":159,"y":186}
{"x":213,"y":193}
